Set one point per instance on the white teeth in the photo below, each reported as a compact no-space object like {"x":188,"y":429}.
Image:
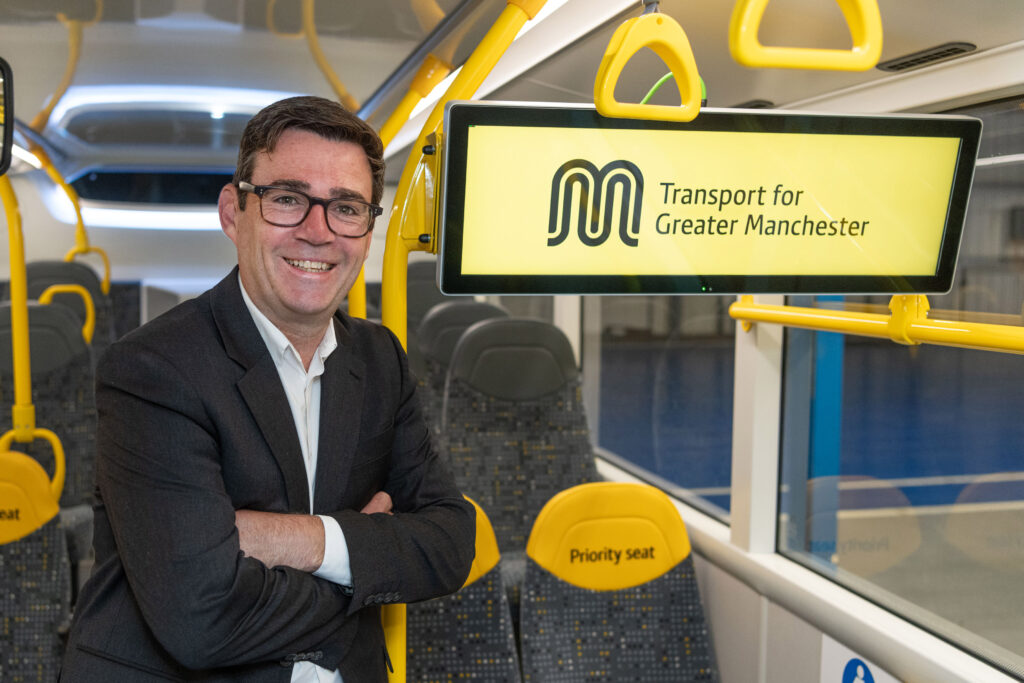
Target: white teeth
{"x":311,"y":266}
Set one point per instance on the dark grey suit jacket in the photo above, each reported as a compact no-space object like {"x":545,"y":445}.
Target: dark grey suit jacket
{"x":194,"y":424}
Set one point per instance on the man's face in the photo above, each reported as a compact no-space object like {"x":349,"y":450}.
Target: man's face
{"x":299,"y":276}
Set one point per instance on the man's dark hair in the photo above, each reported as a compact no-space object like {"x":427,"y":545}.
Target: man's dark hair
{"x":318,"y":115}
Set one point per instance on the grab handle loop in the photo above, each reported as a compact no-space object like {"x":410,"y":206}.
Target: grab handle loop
{"x":57,"y":483}
{"x":666,"y":38}
{"x":89,"y":326}
{"x":862,"y":17}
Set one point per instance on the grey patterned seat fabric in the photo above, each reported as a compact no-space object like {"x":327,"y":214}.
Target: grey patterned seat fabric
{"x":464,"y":636}
{"x":62,"y":393}
{"x":654,"y":632}
{"x":436,"y":337}
{"x":513,"y":422}
{"x":39,"y":275}
{"x":34,"y":603}
{"x":468,"y":635}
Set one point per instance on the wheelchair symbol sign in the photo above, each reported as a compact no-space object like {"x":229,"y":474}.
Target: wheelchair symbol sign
{"x":856,"y":671}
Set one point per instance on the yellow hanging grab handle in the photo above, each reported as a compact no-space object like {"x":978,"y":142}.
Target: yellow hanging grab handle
{"x":90,"y":310}
{"x":81,"y":248}
{"x":309,"y":29}
{"x":27,"y":436}
{"x":662,"y":34}
{"x":862,"y":16}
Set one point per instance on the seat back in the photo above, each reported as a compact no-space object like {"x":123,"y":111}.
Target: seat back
{"x":40,"y":275}
{"x":469,"y":634}
{"x":35,"y":594}
{"x":513,"y":422}
{"x":612,"y":561}
{"x":436,"y":338}
{"x":985,"y":522}
{"x":421,"y":295}
{"x":62,"y":393}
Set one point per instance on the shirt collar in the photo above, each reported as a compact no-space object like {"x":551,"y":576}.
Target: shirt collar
{"x":279,"y":344}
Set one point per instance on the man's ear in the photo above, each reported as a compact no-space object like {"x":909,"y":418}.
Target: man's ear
{"x":227,"y":209}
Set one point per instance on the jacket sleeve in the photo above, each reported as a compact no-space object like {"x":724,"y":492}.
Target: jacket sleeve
{"x":426,"y":548}
{"x":159,"y":473}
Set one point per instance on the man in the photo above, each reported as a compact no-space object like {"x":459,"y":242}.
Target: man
{"x":229,"y":420}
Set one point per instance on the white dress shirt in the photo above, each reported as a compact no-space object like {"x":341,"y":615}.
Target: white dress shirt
{"x":303,"y":390}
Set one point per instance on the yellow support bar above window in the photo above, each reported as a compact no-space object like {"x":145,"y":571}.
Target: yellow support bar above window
{"x":862,"y":17}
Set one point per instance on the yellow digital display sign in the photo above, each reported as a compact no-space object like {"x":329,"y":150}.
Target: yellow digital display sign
{"x":562,"y":200}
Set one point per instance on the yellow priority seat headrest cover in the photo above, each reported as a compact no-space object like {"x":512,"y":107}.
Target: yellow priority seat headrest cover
{"x":609,"y":535}
{"x":487,"y":554}
{"x":26,"y":496}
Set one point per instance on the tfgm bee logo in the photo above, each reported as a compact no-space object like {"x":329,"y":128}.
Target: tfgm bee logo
{"x":603,"y":198}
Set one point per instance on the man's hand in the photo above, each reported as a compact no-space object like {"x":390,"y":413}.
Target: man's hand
{"x":381,"y":502}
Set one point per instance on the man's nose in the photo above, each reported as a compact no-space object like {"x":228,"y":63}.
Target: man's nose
{"x":314,"y":227}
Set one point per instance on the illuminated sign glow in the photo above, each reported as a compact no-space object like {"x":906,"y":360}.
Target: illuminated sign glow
{"x":561,"y":200}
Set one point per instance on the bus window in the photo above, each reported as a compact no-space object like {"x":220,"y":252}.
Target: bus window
{"x":901,"y":470}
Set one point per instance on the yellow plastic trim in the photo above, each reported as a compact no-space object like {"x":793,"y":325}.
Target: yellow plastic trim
{"x":57,"y":483}
{"x":531,"y":7}
{"x":487,"y":553}
{"x":608,"y":535}
{"x":408,"y":222}
{"x":309,"y":28}
{"x":662,"y":34}
{"x":90,"y":310}
{"x":908,"y":324}
{"x":862,"y":16}
{"x":26,"y":498}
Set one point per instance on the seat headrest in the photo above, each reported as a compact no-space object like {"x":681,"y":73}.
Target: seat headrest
{"x":444,"y":324}
{"x":608,"y":535}
{"x":40,"y":275}
{"x":54,"y":334}
{"x":514,"y":358}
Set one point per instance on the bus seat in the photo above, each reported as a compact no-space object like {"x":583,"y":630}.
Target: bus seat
{"x":437,"y":335}
{"x":466,"y":635}
{"x":65,"y":403}
{"x":860,"y":523}
{"x":985,"y":521}
{"x":35,"y":595}
{"x":513,"y":422}
{"x":39,"y":275}
{"x":610,"y":592}
{"x":421,"y":294}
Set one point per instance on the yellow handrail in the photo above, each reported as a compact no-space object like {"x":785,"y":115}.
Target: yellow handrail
{"x":23,"y":413}
{"x":433,"y":70}
{"x":408,"y":219}
{"x":90,"y":310}
{"x":662,"y":34}
{"x":908,"y":323}
{"x":862,"y":16}
{"x":309,"y":28}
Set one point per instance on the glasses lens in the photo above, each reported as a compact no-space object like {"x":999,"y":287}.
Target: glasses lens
{"x":284,"y":208}
{"x":348,"y":217}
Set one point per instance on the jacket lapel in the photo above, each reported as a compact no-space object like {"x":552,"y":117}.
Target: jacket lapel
{"x":341,"y":410}
{"x":261,"y":388}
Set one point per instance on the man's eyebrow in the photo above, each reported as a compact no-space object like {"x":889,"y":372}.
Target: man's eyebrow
{"x":303,"y":186}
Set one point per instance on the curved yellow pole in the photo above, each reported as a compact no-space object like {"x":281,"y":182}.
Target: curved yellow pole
{"x":90,"y":310}
{"x":431,"y":72}
{"x":74,"y":52}
{"x":23,"y":413}
{"x":309,"y":28}
{"x":403,"y":233}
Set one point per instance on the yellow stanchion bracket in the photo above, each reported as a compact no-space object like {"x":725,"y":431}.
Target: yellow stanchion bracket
{"x":666,"y":38}
{"x":862,"y":17}
{"x":906,"y":310}
{"x":90,"y":310}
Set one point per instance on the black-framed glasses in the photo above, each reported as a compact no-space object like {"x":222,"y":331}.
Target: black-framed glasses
{"x":286,"y":208}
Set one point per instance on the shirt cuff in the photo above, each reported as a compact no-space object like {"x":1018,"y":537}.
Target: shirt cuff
{"x":335,"y":566}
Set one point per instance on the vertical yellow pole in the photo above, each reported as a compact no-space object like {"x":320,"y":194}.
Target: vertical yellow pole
{"x":23,"y":413}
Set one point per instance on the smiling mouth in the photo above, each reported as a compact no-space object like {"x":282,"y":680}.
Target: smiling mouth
{"x":310,"y":266}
